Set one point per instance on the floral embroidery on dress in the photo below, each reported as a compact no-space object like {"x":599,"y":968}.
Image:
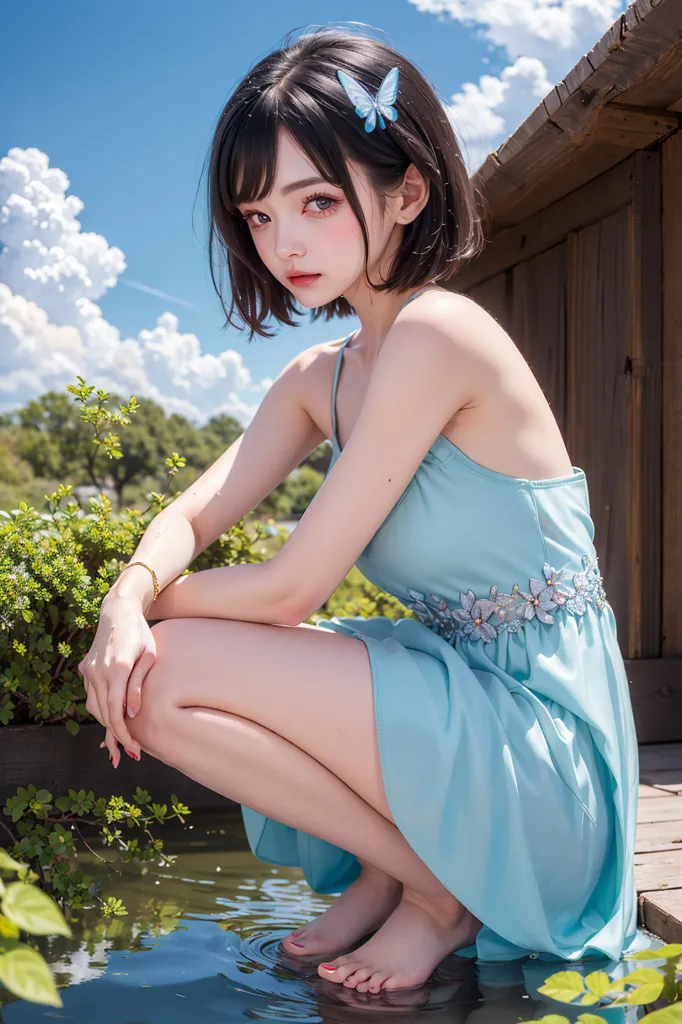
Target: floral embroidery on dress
{"x":484,"y":618}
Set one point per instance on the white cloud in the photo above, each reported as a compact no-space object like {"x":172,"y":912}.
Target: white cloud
{"x":51,"y":329}
{"x":543,"y":40}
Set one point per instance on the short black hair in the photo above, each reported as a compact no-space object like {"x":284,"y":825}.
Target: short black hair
{"x":297,"y":88}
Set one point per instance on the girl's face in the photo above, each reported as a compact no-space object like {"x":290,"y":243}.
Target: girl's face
{"x":307,"y":235}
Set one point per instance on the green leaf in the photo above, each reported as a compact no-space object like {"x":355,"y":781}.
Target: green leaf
{"x":25,"y":973}
{"x":668,"y":952}
{"x":33,"y":910}
{"x":649,"y":982}
{"x":666,"y":1015}
{"x":591,"y":1018}
{"x":598,"y":983}
{"x":72,"y":726}
{"x":551,"y":1018}
{"x":7,"y":929}
{"x":564,"y":986}
{"x":9,"y":862}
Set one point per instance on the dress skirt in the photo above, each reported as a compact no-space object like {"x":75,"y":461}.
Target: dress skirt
{"x":519,"y":805}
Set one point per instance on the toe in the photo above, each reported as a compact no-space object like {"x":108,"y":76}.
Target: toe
{"x":357,"y":978}
{"x":375,"y":982}
{"x":337,"y":970}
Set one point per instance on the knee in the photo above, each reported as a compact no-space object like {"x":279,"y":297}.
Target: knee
{"x":152,"y":725}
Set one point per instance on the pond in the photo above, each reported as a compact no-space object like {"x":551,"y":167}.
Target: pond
{"x":201,"y":943}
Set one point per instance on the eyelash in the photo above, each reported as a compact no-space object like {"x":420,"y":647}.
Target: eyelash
{"x":309,"y":199}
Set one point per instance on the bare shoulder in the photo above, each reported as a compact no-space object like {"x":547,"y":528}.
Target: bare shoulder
{"x":459,"y":319}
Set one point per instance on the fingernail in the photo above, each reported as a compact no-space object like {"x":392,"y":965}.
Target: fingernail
{"x":135,"y":757}
{"x":296,"y":943}
{"x":328,"y":967}
{"x":130,"y":714}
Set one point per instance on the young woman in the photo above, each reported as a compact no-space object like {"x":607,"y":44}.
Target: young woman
{"x":466,"y":779}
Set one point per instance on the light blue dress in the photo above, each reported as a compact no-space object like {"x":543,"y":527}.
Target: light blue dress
{"x":504,"y":722}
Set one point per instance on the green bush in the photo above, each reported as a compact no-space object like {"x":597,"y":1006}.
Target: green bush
{"x":45,"y":828}
{"x":56,"y":567}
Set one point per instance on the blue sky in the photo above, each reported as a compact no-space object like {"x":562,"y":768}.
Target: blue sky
{"x":122,"y":99}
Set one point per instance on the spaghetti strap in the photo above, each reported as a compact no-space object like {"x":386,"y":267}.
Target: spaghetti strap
{"x":339,"y":357}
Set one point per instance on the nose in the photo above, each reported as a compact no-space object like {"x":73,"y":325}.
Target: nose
{"x":288,"y":242}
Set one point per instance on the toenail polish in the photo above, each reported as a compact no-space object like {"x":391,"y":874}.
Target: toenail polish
{"x":328,"y":967}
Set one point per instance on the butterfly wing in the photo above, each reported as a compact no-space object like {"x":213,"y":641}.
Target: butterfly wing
{"x":388,"y":90}
{"x":358,"y":95}
{"x":371,"y":120}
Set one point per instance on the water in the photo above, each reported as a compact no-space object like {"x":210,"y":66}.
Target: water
{"x":202,"y":944}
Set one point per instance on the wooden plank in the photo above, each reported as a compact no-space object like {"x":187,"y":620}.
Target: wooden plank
{"x":664,"y":808}
{"x":661,"y":913}
{"x":661,"y":870}
{"x":597,"y":393}
{"x":656,"y":696}
{"x":658,"y":835}
{"x":672,"y":396}
{"x":644,"y":628}
{"x":646,"y":792}
{"x":660,"y":787}
{"x":602,"y":196}
{"x":539,"y":322}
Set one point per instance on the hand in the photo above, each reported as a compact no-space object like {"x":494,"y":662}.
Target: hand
{"x":114,"y":668}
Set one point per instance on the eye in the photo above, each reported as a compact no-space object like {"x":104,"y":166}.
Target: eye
{"x":321,"y":203}
{"x":254,"y":218}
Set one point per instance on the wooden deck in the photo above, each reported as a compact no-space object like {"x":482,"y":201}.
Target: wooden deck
{"x":658,"y":848}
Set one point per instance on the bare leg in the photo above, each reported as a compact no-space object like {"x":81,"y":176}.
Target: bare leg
{"x":256,"y":767}
{"x":363,"y":907}
{"x":202,"y":719}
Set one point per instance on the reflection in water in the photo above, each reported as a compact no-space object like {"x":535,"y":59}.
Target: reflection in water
{"x":202,"y":944}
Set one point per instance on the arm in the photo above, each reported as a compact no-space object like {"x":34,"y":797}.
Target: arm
{"x":277,"y":440}
{"x":429,"y":366}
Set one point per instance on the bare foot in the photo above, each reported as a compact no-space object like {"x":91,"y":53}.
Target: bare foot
{"x":361,"y":908}
{"x":403,"y":953}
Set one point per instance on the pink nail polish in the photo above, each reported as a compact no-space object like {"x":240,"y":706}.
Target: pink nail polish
{"x":135,"y":757}
{"x":296,"y":943}
{"x":328,"y":967}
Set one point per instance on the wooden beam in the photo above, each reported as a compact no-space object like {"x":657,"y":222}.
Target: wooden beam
{"x":617,"y":98}
{"x":644,"y":549}
{"x":661,"y":913}
{"x":672,"y":396}
{"x":594,"y":201}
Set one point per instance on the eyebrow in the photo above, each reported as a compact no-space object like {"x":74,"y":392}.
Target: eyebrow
{"x":304,"y":183}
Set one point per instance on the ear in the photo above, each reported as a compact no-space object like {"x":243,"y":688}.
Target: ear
{"x":414,"y":193}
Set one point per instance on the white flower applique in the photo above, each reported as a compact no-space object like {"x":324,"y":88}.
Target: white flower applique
{"x":485,"y":618}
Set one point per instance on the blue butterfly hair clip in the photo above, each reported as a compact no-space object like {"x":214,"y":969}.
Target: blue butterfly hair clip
{"x":373,"y":107}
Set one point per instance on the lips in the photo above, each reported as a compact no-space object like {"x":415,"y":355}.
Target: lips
{"x":302,"y":280}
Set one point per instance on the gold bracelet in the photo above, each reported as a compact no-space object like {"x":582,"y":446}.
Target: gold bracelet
{"x":124,"y":565}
